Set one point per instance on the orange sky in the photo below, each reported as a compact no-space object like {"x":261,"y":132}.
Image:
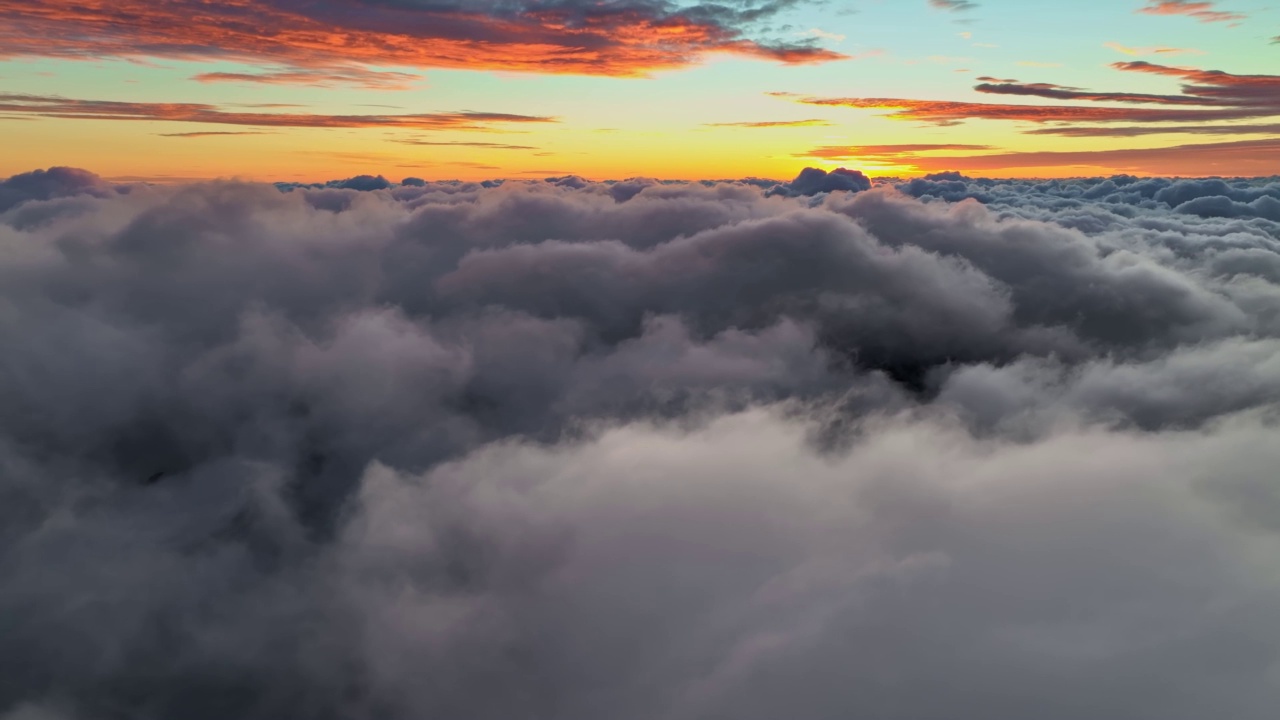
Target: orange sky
{"x":272,"y":89}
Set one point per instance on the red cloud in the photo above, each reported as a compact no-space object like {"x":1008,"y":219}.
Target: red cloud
{"x":944,"y":112}
{"x":44,"y":106}
{"x":1207,"y":95}
{"x":1202,"y":11}
{"x":953,"y":5}
{"x":319,"y":77}
{"x":883,"y":152}
{"x":1137,"y":130}
{"x":571,"y":37}
{"x":1261,"y":91}
{"x":1056,"y":92}
{"x":1241,"y":158}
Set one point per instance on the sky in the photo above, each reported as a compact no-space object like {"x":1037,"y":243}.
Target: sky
{"x":286,"y":90}
{"x":639,"y":360}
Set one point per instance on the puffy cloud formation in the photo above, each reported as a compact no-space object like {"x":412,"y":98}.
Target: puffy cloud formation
{"x":1118,"y":199}
{"x":55,"y":182}
{"x":570,"y":450}
{"x":816,"y":181}
{"x":363,"y":182}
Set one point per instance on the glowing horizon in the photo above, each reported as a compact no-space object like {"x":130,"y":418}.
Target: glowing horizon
{"x":675,"y":90}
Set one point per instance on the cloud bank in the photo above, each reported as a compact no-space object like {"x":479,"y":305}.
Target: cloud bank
{"x":571,"y":450}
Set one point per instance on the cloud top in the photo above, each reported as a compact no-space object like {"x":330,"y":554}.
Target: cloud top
{"x":573,"y":450}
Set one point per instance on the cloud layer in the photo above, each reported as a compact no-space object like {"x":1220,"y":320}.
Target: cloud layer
{"x":572,"y":450}
{"x":1206,"y":100}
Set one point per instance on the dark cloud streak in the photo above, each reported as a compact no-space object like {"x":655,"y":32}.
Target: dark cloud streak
{"x":76,"y":109}
{"x":1138,"y":130}
{"x":1237,"y":157}
{"x":772,"y":123}
{"x":319,"y":77}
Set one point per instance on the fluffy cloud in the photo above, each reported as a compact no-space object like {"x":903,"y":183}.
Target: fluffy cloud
{"x":565,"y":449}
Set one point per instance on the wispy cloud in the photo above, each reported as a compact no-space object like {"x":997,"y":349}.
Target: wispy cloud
{"x":1206,"y":96}
{"x":885,"y":152}
{"x":823,"y":34}
{"x":1243,"y":157}
{"x":1138,"y":130}
{"x":942,"y":112}
{"x":954,"y":5}
{"x":211,"y":133}
{"x":772,"y":124}
{"x":484,"y":145}
{"x":1059,"y":92}
{"x":354,"y":76}
{"x":569,"y":36}
{"x":1220,"y":88}
{"x":1155,"y":50}
{"x":57,"y":107}
{"x":1202,"y":11}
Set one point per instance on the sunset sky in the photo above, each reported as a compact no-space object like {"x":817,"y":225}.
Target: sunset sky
{"x":639,"y":359}
{"x":305,"y":90}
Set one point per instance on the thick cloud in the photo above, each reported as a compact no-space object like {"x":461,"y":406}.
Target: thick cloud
{"x":52,"y":183}
{"x":815,"y":181}
{"x":363,"y":182}
{"x":563,"y":449}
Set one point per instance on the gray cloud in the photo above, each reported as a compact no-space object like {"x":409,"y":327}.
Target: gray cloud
{"x":565,"y":449}
{"x":816,"y":181}
{"x":732,"y":573}
{"x":48,"y":184}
